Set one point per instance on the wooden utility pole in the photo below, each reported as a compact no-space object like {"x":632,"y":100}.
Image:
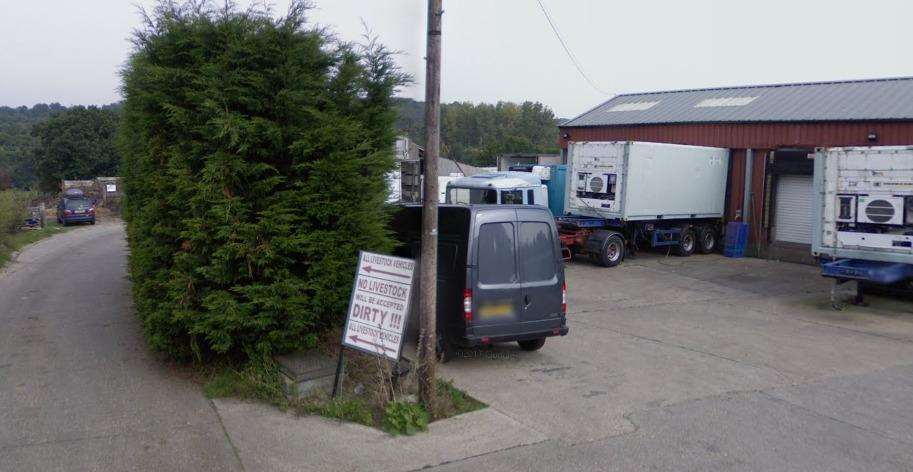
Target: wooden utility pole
{"x":428,"y":269}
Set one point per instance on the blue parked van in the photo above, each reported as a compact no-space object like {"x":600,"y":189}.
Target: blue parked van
{"x":500,"y":274}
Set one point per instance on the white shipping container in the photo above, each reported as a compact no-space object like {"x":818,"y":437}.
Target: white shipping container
{"x":863,"y":205}
{"x":638,"y":181}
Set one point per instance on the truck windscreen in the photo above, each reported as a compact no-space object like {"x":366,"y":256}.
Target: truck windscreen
{"x":468,"y":196}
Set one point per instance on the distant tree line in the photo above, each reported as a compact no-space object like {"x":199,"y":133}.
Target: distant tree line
{"x":17,"y":143}
{"x":41,"y":145}
{"x":478,"y":133}
{"x":78,"y":143}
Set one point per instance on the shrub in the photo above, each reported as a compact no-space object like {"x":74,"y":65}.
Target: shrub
{"x":254,"y":151}
{"x":14,"y":207}
{"x":405,"y":418}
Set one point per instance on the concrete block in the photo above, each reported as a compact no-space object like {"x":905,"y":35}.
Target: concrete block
{"x":307,"y":372}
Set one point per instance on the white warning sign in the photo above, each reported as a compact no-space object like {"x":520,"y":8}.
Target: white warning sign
{"x":379,"y":305}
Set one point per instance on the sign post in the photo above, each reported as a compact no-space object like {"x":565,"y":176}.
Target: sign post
{"x":378,"y":307}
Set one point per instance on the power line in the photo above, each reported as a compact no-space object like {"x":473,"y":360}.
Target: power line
{"x":570,"y":54}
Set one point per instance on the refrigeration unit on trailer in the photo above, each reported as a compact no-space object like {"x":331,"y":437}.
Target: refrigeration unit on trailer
{"x":863,"y":220}
{"x":622,"y":196}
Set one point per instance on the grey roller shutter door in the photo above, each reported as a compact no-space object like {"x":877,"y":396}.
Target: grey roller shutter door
{"x":793,"y":212}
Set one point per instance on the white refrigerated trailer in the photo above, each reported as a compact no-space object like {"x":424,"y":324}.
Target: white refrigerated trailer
{"x":626,"y":195}
{"x":864,"y":203}
{"x":863,"y":214}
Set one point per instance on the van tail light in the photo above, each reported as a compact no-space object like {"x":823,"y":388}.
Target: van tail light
{"x":564,"y":297}
{"x":467,"y":305}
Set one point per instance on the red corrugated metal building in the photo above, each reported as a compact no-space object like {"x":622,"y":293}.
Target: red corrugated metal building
{"x":770,"y":130}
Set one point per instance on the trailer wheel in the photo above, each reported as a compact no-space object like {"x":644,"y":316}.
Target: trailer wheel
{"x":686,"y":244}
{"x":706,"y":240}
{"x":612,"y":251}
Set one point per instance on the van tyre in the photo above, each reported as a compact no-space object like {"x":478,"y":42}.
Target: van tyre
{"x":532,"y":344}
{"x":706,"y":240}
{"x":611,"y":252}
{"x":686,"y":244}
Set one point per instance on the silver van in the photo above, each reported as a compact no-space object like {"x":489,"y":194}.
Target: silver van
{"x":500,"y":274}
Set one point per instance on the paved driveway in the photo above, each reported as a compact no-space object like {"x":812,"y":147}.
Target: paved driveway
{"x":78,"y":388}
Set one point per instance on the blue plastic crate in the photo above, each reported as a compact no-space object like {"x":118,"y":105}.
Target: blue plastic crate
{"x":736,"y":239}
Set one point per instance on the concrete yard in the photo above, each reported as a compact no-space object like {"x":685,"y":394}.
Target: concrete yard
{"x":702,"y":363}
{"x":707,"y":363}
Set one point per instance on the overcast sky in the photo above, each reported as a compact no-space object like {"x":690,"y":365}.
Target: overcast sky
{"x":69,"y":51}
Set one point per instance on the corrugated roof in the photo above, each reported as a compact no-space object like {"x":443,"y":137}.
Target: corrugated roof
{"x":857,"y":100}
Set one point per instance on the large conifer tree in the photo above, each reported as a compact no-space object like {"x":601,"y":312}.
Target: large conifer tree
{"x":255,"y":150}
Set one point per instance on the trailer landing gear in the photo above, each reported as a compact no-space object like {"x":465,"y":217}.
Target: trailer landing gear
{"x":858,"y":298}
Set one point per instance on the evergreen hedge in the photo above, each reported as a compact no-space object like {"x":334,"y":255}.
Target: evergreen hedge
{"x":254,"y":151}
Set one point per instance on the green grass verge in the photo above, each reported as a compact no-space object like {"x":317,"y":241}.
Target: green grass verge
{"x":16,"y":241}
{"x":261,"y":381}
{"x":452,"y":401}
{"x":252,"y":381}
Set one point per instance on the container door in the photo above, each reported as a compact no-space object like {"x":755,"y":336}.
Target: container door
{"x":496,"y":284}
{"x":540,"y":265}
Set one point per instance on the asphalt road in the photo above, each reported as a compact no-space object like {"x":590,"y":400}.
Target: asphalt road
{"x":78,"y":388}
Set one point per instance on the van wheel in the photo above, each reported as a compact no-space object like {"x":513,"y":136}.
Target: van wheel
{"x":532,"y":344}
{"x":686,"y":244}
{"x":706,"y":240}
{"x":612,"y":251}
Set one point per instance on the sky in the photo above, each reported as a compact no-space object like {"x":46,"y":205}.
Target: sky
{"x":70,"y":51}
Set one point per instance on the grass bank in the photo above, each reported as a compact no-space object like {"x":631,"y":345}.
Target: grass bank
{"x":10,"y":243}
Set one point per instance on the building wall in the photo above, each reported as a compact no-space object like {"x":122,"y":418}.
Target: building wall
{"x":751,"y":135}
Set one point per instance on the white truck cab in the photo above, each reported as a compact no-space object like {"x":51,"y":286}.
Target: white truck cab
{"x":500,"y":188}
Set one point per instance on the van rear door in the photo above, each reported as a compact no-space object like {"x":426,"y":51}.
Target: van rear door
{"x":495,"y":280}
{"x":541,"y":267}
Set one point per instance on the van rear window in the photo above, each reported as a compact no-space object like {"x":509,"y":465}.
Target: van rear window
{"x":497,"y":258}
{"x":537,"y":252}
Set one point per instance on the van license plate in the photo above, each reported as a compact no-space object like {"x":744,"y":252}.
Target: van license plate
{"x":496,"y":310}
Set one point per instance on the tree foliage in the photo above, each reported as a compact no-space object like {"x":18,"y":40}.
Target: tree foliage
{"x":255,"y":150}
{"x":16,"y":142}
{"x":75,"y":144}
{"x":478,"y":133}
